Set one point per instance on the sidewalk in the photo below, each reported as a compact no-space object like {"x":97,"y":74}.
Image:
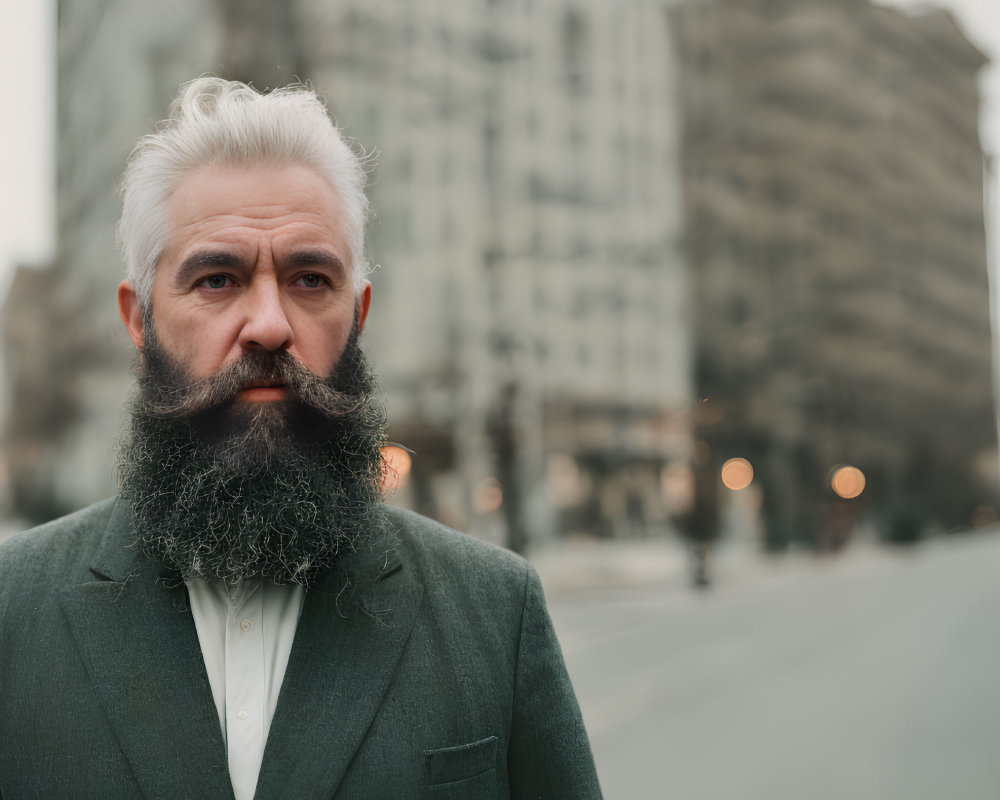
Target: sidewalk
{"x":8,"y":527}
{"x":574,"y":566}
{"x":577,"y":565}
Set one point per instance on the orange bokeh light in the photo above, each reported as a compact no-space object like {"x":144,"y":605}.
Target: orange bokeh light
{"x":396,"y":465}
{"x":488,"y":496}
{"x":848,"y":482}
{"x":737,"y":473}
{"x":984,"y":516}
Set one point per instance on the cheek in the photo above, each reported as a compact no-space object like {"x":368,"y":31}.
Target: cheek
{"x":319,"y":347}
{"x":202,"y":346}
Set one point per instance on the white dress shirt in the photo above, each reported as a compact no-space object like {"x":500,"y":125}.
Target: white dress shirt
{"x":245,"y":631}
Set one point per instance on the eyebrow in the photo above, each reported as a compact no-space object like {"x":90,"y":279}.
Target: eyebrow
{"x":196,"y":262}
{"x":317,"y":258}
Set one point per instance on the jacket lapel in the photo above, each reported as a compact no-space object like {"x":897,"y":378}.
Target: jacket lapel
{"x":339,"y":669}
{"x":140,"y":648}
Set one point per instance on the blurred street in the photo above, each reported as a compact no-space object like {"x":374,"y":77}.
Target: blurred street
{"x":871,"y":676}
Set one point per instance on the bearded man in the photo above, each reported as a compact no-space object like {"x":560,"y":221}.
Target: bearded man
{"x":246,"y":619}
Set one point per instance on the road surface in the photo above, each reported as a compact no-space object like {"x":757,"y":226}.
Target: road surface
{"x":871,"y":676}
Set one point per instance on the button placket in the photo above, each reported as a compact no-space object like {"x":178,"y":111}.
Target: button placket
{"x":245,"y":672}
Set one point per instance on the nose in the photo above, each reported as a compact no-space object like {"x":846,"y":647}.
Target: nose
{"x":266,"y":326}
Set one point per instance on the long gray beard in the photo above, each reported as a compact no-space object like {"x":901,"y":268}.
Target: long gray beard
{"x":226,"y":490}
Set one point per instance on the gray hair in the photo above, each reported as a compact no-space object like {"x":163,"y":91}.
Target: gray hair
{"x":218,"y":122}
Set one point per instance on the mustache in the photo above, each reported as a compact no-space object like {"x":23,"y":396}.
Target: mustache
{"x":172,"y":397}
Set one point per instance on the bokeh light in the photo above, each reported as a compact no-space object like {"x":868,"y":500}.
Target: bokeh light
{"x":737,"y":473}
{"x":488,"y":496}
{"x":848,"y":482}
{"x":984,"y":516}
{"x":563,"y":482}
{"x":396,"y":466}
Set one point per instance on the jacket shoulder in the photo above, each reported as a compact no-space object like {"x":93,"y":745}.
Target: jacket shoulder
{"x":466,"y":580}
{"x":438,"y":548}
{"x":56,"y":549}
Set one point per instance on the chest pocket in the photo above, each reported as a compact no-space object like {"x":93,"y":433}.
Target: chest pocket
{"x":466,"y":772}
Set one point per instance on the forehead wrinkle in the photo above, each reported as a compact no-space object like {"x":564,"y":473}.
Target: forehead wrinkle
{"x":255,"y":221}
{"x":203,"y":208}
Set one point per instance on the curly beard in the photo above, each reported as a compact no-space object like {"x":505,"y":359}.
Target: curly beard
{"x":229,"y":490}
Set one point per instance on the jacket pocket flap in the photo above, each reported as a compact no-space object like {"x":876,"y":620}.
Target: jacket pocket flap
{"x":451,"y":764}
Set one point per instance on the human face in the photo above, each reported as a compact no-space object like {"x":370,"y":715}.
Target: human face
{"x":256,"y":261}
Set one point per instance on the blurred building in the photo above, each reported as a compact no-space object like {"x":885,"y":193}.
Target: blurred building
{"x":592,"y":217}
{"x":68,"y":356}
{"x":833,"y":185}
{"x":529,"y":321}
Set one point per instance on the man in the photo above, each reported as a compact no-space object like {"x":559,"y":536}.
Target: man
{"x":246,"y":619}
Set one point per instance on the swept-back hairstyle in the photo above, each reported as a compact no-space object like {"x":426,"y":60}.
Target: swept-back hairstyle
{"x":218,"y":122}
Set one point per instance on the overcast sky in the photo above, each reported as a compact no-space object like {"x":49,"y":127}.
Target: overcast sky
{"x":27,"y":225}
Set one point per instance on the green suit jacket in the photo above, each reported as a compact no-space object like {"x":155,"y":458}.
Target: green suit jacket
{"x":444,"y":681}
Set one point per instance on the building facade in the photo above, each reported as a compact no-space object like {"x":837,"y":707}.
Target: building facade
{"x":833,"y":180}
{"x":619,"y":243}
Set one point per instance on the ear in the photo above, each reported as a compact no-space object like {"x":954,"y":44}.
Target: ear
{"x":364,"y":301}
{"x":130,"y":311}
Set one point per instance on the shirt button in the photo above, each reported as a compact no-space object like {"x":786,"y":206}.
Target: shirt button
{"x":246,"y":625}
{"x":242,"y":714}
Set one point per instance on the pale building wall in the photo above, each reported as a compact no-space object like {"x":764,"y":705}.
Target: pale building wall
{"x":527,"y":214}
{"x":118,"y":60}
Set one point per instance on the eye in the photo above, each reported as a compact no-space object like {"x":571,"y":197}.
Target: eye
{"x":311,"y":280}
{"x":215,"y":281}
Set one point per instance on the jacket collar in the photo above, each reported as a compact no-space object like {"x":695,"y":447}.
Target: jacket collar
{"x":117,"y":556}
{"x":138,"y":642}
{"x":140,"y":650}
{"x":341,"y":665}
